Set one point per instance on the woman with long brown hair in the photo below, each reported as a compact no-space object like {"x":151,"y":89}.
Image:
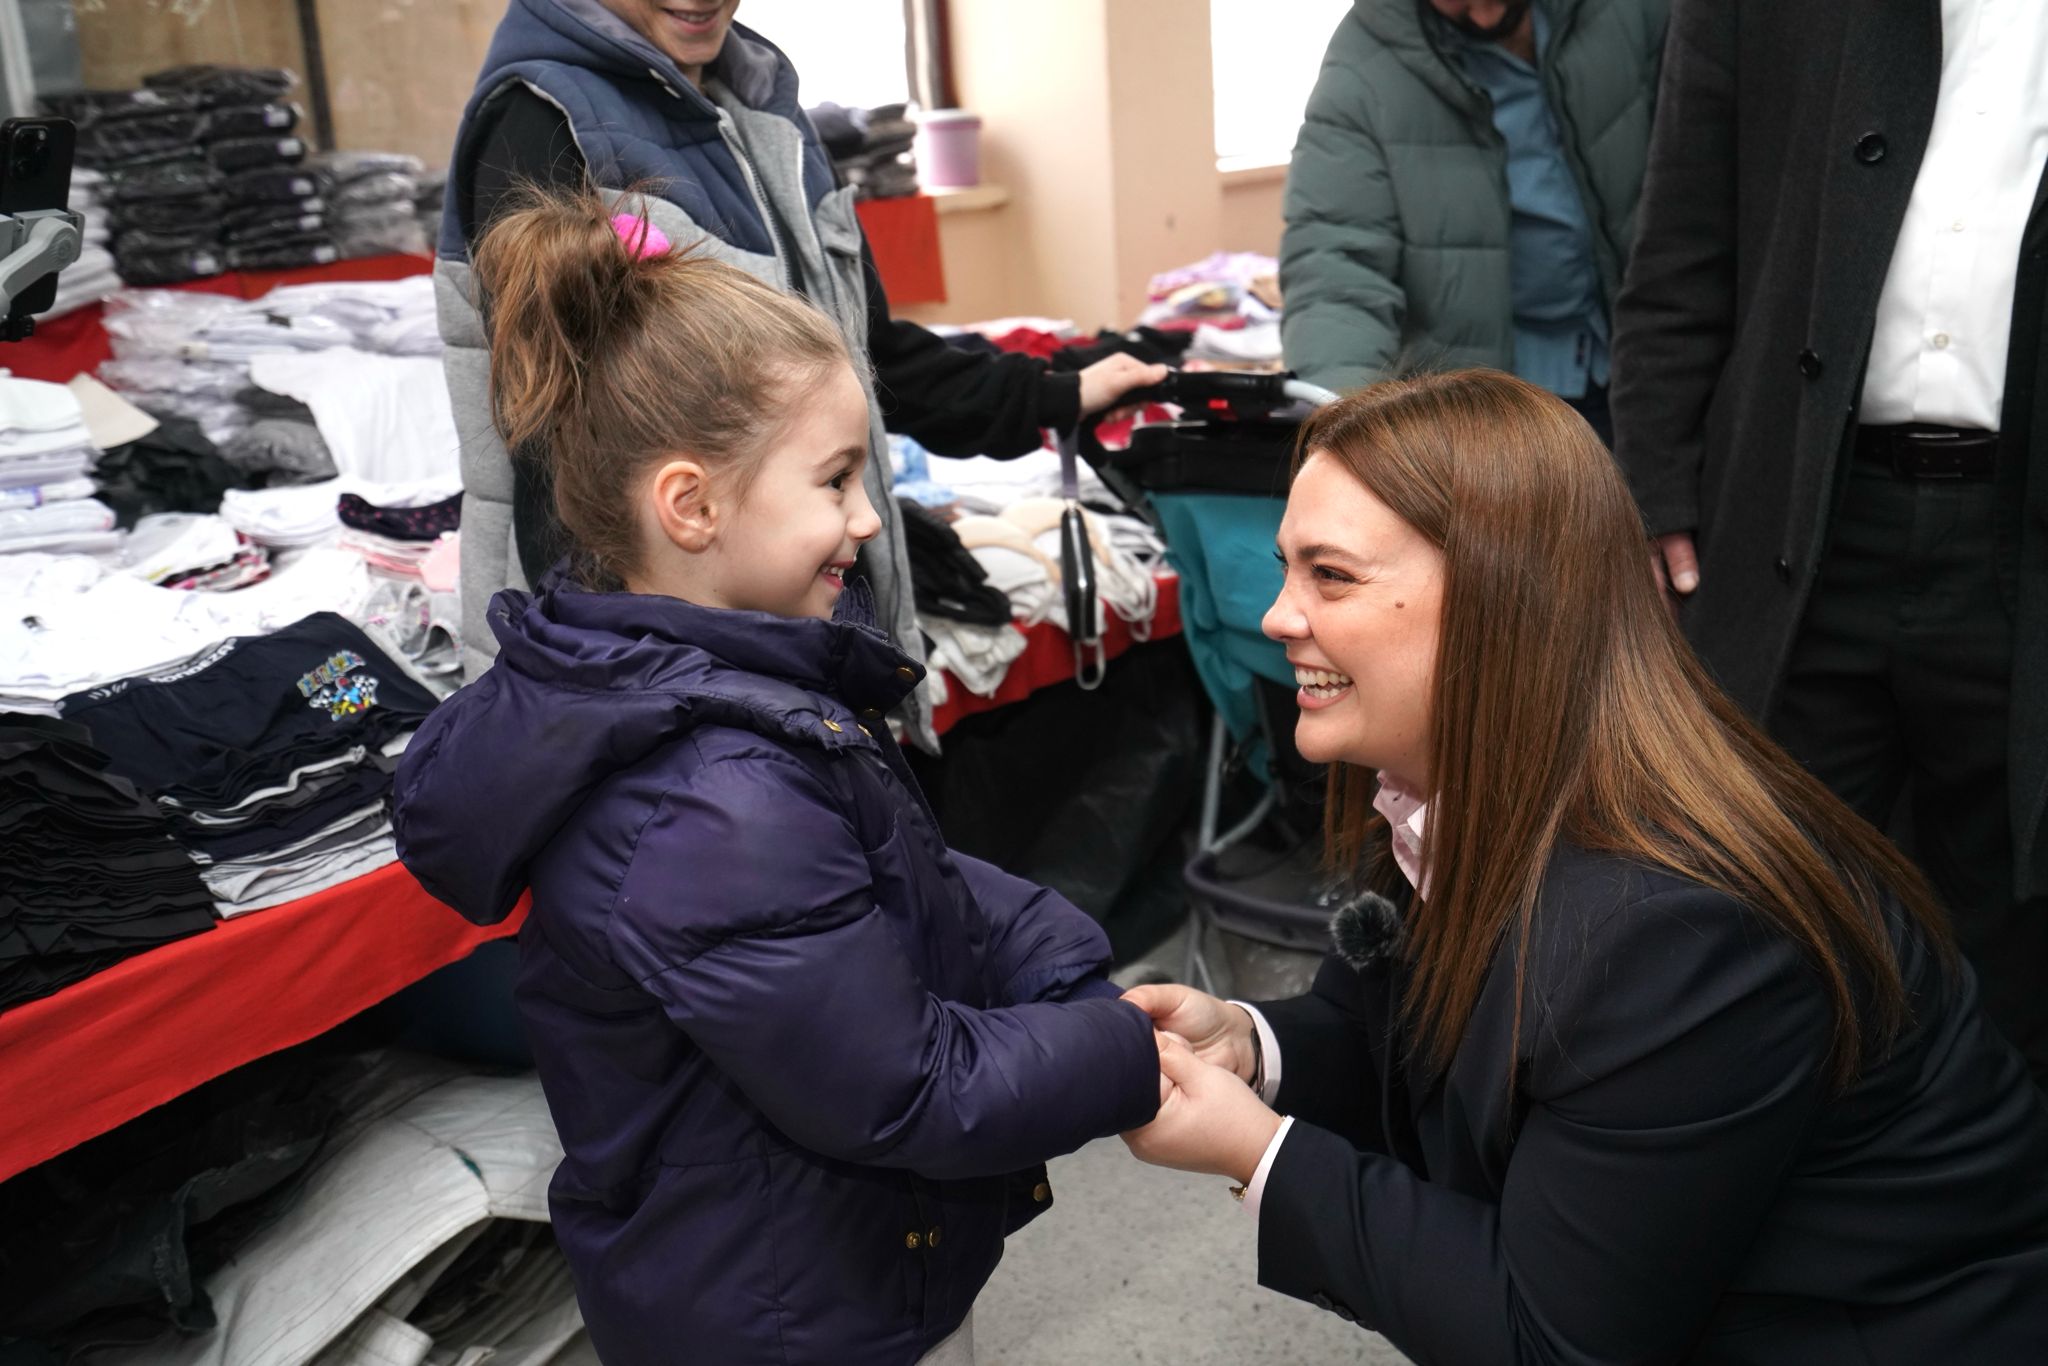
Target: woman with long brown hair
{"x":1638,"y":1044}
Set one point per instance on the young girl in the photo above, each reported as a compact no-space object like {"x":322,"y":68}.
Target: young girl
{"x":805,"y":1061}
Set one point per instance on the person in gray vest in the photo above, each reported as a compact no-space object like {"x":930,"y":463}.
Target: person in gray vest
{"x":701,"y":116}
{"x":1463,"y":191}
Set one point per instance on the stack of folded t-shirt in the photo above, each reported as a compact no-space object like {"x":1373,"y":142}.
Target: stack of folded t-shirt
{"x":870,"y":148}
{"x":272,"y":755}
{"x":372,"y":201}
{"x":46,"y":463}
{"x":273,"y":217}
{"x":92,"y":873}
{"x":163,"y":199}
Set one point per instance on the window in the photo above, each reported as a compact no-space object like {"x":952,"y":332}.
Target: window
{"x":850,"y":54}
{"x":1264,"y":59}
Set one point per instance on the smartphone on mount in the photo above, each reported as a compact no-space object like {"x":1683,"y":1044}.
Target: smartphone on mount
{"x":35,"y":173}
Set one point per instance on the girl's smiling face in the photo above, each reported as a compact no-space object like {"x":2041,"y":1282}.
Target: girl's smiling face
{"x":780,"y":534}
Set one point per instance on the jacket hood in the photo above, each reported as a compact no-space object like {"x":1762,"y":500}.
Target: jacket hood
{"x":588,"y":684}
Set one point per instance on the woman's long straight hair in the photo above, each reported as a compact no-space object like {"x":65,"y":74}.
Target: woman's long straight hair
{"x":1568,"y":708}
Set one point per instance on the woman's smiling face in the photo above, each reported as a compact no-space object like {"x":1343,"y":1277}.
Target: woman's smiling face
{"x":1358,"y":612}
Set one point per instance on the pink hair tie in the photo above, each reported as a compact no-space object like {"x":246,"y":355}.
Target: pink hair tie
{"x":641,"y":237}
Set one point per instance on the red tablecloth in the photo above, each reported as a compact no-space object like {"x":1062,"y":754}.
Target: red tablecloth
{"x":102,"y":1051}
{"x":1048,"y":658}
{"x":904,"y":236}
{"x":75,"y":344}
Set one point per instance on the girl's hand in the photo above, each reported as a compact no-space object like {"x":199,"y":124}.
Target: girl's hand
{"x":1217,"y":1031}
{"x":1208,"y":1120}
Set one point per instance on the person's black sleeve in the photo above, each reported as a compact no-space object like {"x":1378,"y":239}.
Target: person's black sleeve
{"x":1330,"y":1041}
{"x":956,"y":402}
{"x":521,"y":141}
{"x":1670,"y":1082}
{"x":1674,"y":321}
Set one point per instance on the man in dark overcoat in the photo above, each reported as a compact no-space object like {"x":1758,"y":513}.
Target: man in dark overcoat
{"x":1829,"y":399}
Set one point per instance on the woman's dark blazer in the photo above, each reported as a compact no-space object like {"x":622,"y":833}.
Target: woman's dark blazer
{"x":1655,"y":1167}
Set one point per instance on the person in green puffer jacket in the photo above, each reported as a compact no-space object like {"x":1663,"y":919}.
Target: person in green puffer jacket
{"x":1463,"y":191}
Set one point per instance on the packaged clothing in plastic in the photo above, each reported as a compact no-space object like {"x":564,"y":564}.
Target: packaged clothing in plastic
{"x":293,"y":253}
{"x":284,"y":228}
{"x":273,"y":119}
{"x":411,"y":1193}
{"x":175,"y":215}
{"x":373,"y":189}
{"x":272,"y":182}
{"x":35,"y":495}
{"x":268,"y":210}
{"x":346,"y":168}
{"x":180,"y":179}
{"x":245,"y":154}
{"x":156,"y":373}
{"x":169,"y":267}
{"x":88,"y":107}
{"x":76,"y":524}
{"x":213,"y":85}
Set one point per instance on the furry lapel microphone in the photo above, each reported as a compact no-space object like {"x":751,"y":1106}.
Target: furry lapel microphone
{"x":1366,"y":929}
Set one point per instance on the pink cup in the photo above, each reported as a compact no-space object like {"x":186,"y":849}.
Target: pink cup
{"x":949,"y":149}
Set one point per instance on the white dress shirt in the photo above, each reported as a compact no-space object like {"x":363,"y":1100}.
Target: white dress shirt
{"x":1407,"y":817}
{"x":1944,"y":320}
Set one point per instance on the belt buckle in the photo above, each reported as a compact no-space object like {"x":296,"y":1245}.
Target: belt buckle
{"x":1936,"y":455}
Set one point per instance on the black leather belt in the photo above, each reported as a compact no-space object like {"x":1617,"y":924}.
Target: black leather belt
{"x":1920,"y":451}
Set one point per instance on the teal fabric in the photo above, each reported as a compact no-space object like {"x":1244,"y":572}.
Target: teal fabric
{"x":1221,"y":544}
{"x":1560,"y":316}
{"x":1397,"y":249}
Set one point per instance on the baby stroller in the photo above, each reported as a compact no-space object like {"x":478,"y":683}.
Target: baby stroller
{"x":1214,"y":485}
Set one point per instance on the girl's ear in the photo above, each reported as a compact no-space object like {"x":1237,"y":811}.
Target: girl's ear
{"x":681,"y":495}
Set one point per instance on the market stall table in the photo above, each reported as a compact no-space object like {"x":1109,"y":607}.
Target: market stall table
{"x":1048,"y":659}
{"x":100,"y":1052}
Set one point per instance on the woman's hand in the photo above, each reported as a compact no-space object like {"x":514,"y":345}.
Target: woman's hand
{"x":1208,"y":1121}
{"x":1218,"y":1032}
{"x":1110,"y":378}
